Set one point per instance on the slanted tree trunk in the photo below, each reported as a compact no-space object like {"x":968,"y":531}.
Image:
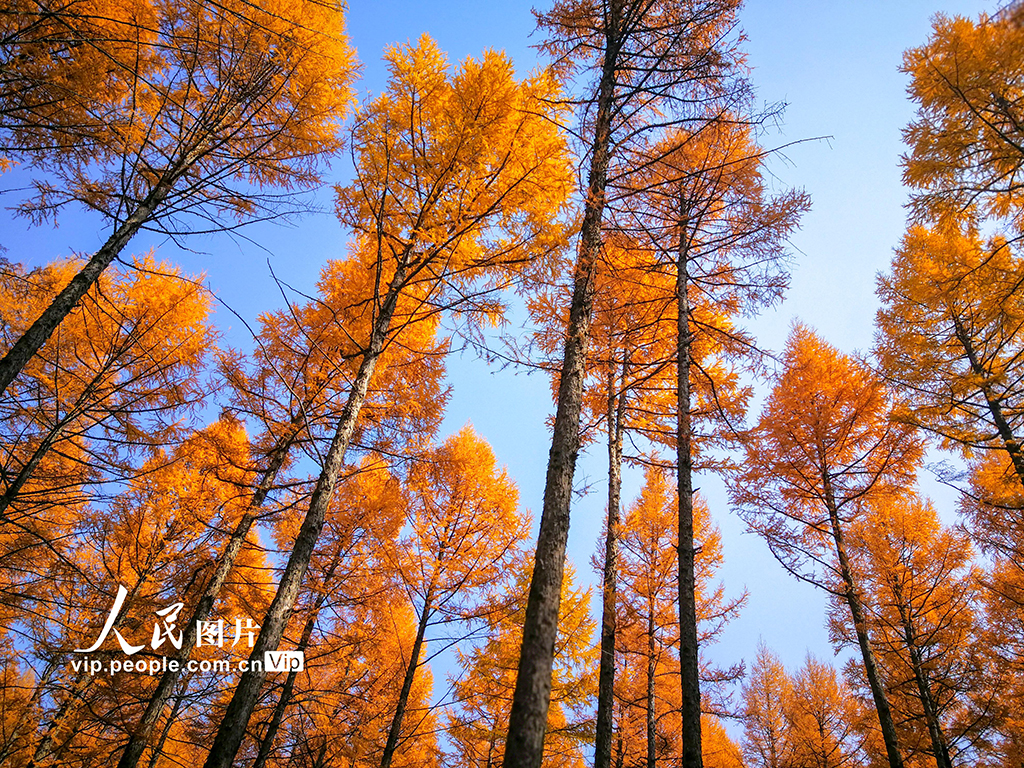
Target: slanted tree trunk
{"x":267,"y":743}
{"x":524,"y":747}
{"x":606,"y":675}
{"x":158,"y":748}
{"x":861,"y":628}
{"x":689,"y":663}
{"x":140,"y":736}
{"x":236,"y":718}
{"x":939,"y":747}
{"x":39,"y":332}
{"x":995,"y":407}
{"x":10,"y":744}
{"x":410,"y":675}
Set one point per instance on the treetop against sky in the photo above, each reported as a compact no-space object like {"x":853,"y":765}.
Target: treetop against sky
{"x":413,"y":202}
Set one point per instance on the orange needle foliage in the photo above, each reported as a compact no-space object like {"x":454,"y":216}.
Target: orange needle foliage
{"x":648,"y":690}
{"x":922,"y":590}
{"x":823,"y":448}
{"x":479,"y":726}
{"x":810,"y":719}
{"x":459,"y":176}
{"x":114,"y":386}
{"x":239,"y":98}
{"x":949,"y":335}
{"x":466,"y":531}
{"x":967,"y":137}
{"x":67,"y":67}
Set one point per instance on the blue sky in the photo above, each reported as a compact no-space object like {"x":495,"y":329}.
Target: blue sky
{"x":834,"y":63}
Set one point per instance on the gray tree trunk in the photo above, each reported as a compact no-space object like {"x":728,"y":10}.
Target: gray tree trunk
{"x":143,"y":730}
{"x":861,"y":628}
{"x":524,"y":747}
{"x":410,"y":675}
{"x":652,"y":757}
{"x":940,"y":748}
{"x":236,"y":718}
{"x":267,"y":743}
{"x":606,"y":674}
{"x":689,"y":661}
{"x":39,"y":332}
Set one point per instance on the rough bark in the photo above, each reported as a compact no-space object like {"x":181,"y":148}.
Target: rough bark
{"x":861,"y":628}
{"x":236,"y":718}
{"x":689,"y":663}
{"x":524,"y":747}
{"x":606,"y":674}
{"x":140,"y":736}
{"x":267,"y":743}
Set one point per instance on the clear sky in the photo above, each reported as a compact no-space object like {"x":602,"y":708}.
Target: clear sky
{"x":834,"y":63}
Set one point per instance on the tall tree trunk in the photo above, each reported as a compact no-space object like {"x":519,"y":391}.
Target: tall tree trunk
{"x":606,"y":675}
{"x":410,"y":675}
{"x":524,"y":747}
{"x":939,"y":747}
{"x":652,"y":758}
{"x":689,"y":663}
{"x":140,"y":736}
{"x":861,"y":628}
{"x":236,"y":718}
{"x":39,"y":332}
{"x":158,"y":748}
{"x":267,"y":743}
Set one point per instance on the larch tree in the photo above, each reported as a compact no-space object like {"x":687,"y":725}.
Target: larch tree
{"x":822,"y":719}
{"x":949,"y":337}
{"x":154,"y":541}
{"x":922,"y":591}
{"x":460,"y":177}
{"x":823,"y":448}
{"x":966,"y":141}
{"x":67,"y":67}
{"x":642,"y":65}
{"x":114,"y":387}
{"x":289,"y":389}
{"x":649,"y":693}
{"x":478,"y":725}
{"x":231,"y":103}
{"x":353,"y":569}
{"x":630,"y":390}
{"x":766,"y":694}
{"x":718,"y":232}
{"x":466,"y":530}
